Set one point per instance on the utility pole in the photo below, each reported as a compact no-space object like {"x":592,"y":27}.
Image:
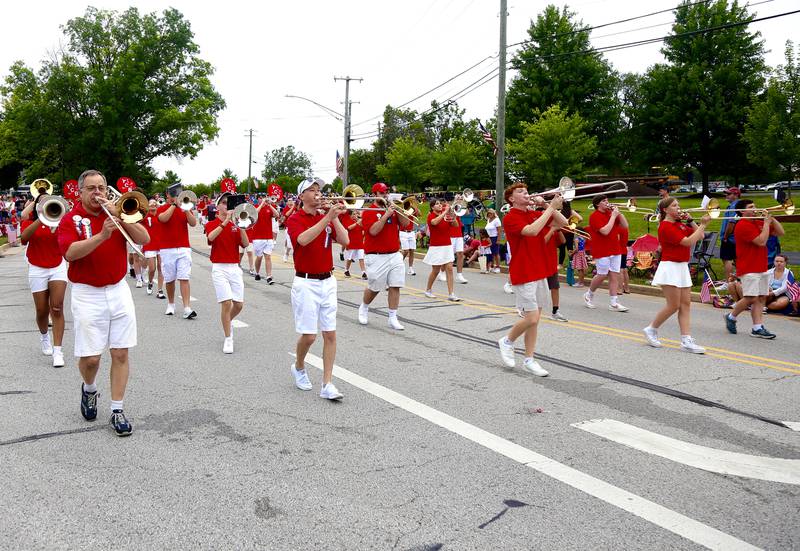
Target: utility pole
{"x":501,"y":112}
{"x":250,"y":160}
{"x":347,"y":102}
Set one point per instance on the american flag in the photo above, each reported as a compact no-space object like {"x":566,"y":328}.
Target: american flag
{"x":793,"y":290}
{"x":339,"y":163}
{"x":487,"y":136}
{"x":705,"y":290}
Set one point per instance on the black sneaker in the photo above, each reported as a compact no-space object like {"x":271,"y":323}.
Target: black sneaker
{"x":269,"y":280}
{"x":363,"y":275}
{"x":258,"y":277}
{"x":160,"y":294}
{"x":762,"y":333}
{"x":132,"y":273}
{"x":341,"y":257}
{"x":347,"y":273}
{"x":120,"y":423}
{"x":88,"y":404}
{"x":730,"y":324}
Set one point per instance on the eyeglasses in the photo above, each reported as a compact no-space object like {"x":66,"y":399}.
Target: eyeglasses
{"x":92,"y":189}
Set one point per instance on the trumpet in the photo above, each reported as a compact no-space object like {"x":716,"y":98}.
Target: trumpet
{"x":132,"y":207}
{"x":51,"y":210}
{"x":245,"y":215}
{"x":41,"y":186}
{"x":186,"y":200}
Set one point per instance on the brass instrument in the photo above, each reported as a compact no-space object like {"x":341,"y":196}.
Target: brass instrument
{"x":132,"y":207}
{"x":245,"y":215}
{"x":714,"y":211}
{"x":186,"y":200}
{"x":50,"y":210}
{"x":566,"y":187}
{"x":41,"y":186}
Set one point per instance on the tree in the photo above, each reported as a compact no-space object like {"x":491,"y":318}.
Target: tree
{"x":286,"y":162}
{"x":124,"y":89}
{"x":362,"y":167}
{"x":772,"y":131}
{"x":556,"y":66}
{"x":694,"y":108}
{"x":406,"y":164}
{"x":457,"y":164}
{"x":555,"y":145}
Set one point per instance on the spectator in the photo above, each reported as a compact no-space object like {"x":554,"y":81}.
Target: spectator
{"x":493,"y":228}
{"x":727,"y":245}
{"x":779,"y":277}
{"x":469,"y":221}
{"x":773,"y":249}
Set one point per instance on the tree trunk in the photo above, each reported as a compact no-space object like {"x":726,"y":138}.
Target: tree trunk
{"x":705,"y":182}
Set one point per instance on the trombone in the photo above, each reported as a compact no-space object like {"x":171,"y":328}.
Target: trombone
{"x":567,"y":189}
{"x":41,"y":186}
{"x":714,"y":211}
{"x":186,"y":200}
{"x":132,"y":207}
{"x":245,"y":215}
{"x":572,"y":227}
{"x":51,"y":210}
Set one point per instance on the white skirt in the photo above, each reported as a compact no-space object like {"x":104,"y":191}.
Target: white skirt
{"x":439,"y":255}
{"x":672,"y":273}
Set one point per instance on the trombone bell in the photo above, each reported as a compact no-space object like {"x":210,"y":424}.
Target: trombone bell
{"x":51,"y":210}
{"x":245,"y":215}
{"x":41,"y":186}
{"x":186,"y":200}
{"x":132,"y":206}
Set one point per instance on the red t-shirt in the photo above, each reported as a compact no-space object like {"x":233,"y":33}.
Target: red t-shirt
{"x":356,"y":235}
{"x":440,"y":233}
{"x":622,"y":235}
{"x":107,"y":264}
{"x":602,"y":245}
{"x":262,"y":229}
{"x":458,"y":229}
{"x":175,"y":232}
{"x":388,"y":240}
{"x":43,"y":248}
{"x":750,"y":258}
{"x":670,"y":235}
{"x":152,"y":225}
{"x":317,"y":256}
{"x":225,"y":248}
{"x":529,"y":258}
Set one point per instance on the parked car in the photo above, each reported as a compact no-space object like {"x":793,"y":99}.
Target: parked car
{"x":795,"y":184}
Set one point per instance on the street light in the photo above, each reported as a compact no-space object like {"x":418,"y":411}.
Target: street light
{"x":336,"y":115}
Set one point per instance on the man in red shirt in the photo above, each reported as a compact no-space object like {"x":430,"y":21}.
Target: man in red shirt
{"x":314,"y":287}
{"x":102,"y":305}
{"x":751,"y":236}
{"x":225,"y":239}
{"x":604,"y":225}
{"x":384,"y":261}
{"x":525,"y":230}
{"x":176,"y":255}
{"x":355,"y":248}
{"x":263,"y":237}
{"x":151,"y":257}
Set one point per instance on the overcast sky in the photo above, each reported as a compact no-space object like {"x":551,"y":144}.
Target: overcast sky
{"x":263,"y":51}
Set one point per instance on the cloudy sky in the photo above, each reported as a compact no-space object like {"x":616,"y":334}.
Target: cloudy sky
{"x":263,"y":51}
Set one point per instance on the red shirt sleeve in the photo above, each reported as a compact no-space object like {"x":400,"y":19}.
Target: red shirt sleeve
{"x":67,"y":233}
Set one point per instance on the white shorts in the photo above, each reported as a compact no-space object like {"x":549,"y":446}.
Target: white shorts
{"x":263,"y":246}
{"x":176,"y":263}
{"x":249,"y":248}
{"x":408,"y":240}
{"x":314,"y":305}
{"x":150,"y":254}
{"x":531,"y":296}
{"x":130,"y":249}
{"x":607,"y":264}
{"x":672,"y":273}
{"x":755,"y":285}
{"x":385,"y":270}
{"x":276,"y":227}
{"x":228,"y":282}
{"x":354,"y":254}
{"x":458,"y":244}
{"x":288,"y":242}
{"x":439,"y":255}
{"x":40,"y":278}
{"x":104,"y":317}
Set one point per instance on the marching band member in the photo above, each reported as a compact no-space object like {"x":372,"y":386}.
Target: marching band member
{"x":176,"y":255}
{"x":408,"y":243}
{"x":677,"y":236}
{"x":264,"y":238}
{"x":225,"y":238}
{"x":355,"y":245}
{"x":440,"y":248}
{"x":102,"y":305}
{"x":150,"y":250}
{"x":604,"y":225}
{"x":525,"y":230}
{"x":314,"y":287}
{"x":47,"y":278}
{"x":286,"y":213}
{"x":457,"y":241}
{"x":384,"y":262}
{"x":751,"y":236}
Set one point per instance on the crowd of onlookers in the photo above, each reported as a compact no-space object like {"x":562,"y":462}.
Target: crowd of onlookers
{"x":10,"y":209}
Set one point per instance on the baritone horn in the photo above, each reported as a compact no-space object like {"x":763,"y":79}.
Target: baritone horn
{"x":186,"y":200}
{"x":41,"y":186}
{"x":245,"y":215}
{"x":51,"y":210}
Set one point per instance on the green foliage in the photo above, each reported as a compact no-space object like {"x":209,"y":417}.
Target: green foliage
{"x":457,"y":165}
{"x":203,"y":189}
{"x":336,"y":185}
{"x":362,"y":167}
{"x":286,"y":162}
{"x":556,"y":145}
{"x":773,"y":122}
{"x":693,"y":109}
{"x":406,"y":164}
{"x":124,"y":89}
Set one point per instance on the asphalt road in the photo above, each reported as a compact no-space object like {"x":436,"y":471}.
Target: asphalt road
{"x":436,"y":444}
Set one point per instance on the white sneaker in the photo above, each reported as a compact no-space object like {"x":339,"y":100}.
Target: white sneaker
{"x":532,"y":366}
{"x":496,"y":270}
{"x":508,"y":288}
{"x":188,"y":314}
{"x":170,"y":310}
{"x":453,"y":298}
{"x":429,"y":294}
{"x":441,"y":276}
{"x":507,"y":352}
{"x":285,"y":258}
{"x":652,"y":337}
{"x":58,"y":359}
{"x":394,"y":323}
{"x":617,"y":307}
{"x":688,"y":344}
{"x":252,"y":272}
{"x":329,"y":392}
{"x":587,"y":301}
{"x":47,"y":346}
{"x":363,"y":314}
{"x":461,"y":279}
{"x":139,"y":283}
{"x":227,"y":346}
{"x":411,"y":271}
{"x":558,"y":316}
{"x":149,"y":288}
{"x":301,"y":379}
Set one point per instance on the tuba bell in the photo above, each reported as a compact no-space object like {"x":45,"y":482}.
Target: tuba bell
{"x":41,"y":186}
{"x":186,"y":200}
{"x":245,"y":215}
{"x":51,"y":210}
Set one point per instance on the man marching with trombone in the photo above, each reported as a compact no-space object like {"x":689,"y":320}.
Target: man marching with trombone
{"x":92,"y":238}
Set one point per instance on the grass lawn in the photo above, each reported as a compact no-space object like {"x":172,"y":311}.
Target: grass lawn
{"x":3,"y":240}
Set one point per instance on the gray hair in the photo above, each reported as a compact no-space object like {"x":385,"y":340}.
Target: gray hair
{"x":90,"y":172}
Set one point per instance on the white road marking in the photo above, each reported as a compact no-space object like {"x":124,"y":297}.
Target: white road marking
{"x":668,"y":519}
{"x":794,"y":425}
{"x":773,"y":469}
{"x":238,"y":324}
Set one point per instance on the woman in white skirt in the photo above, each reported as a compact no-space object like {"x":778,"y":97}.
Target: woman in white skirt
{"x":677,"y":234}
{"x":440,"y":254}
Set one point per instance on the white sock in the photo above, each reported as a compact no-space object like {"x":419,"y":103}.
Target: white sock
{"x":116,"y":404}
{"x":56,"y":350}
{"x":732,"y":317}
{"x":187,"y":309}
{"x":589,"y":293}
{"x":392,"y":314}
{"x":757,"y":326}
{"x":90,"y":388}
{"x":528,"y":360}
{"x":366,"y":307}
{"x":171,"y":305}
{"x":613,"y":300}
{"x":507,"y":342}
{"x":685,"y":337}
